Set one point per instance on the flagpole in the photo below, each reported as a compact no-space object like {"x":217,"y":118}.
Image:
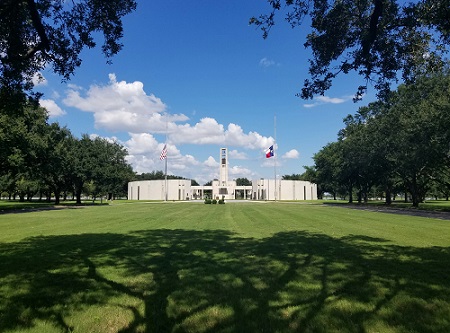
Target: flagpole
{"x":165,"y":178}
{"x":165,"y":163}
{"x":274,"y":153}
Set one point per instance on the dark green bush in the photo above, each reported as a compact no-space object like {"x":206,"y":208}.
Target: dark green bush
{"x":214,"y":201}
{"x":208,"y":201}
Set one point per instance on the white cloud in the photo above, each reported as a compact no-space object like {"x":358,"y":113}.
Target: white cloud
{"x":320,"y":100}
{"x":121,"y":106}
{"x":183,"y":163}
{"x":270,"y":162}
{"x":239,"y":172}
{"x":265,"y":62}
{"x":292,"y":154}
{"x":332,"y":100}
{"x":143,"y":143}
{"x":237,"y":155}
{"x":211,"y":163}
{"x":39,"y":80}
{"x":53,"y":109}
{"x":144,"y":152}
{"x":125,"y":107}
{"x":209,"y":131}
{"x":309,"y":105}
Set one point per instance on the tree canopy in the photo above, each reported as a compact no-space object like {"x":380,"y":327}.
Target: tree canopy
{"x":51,"y":33}
{"x":399,"y":145}
{"x":46,"y":159}
{"x":375,"y":38}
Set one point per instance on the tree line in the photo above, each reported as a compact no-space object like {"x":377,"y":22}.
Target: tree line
{"x":398,"y":145}
{"x":46,"y":160}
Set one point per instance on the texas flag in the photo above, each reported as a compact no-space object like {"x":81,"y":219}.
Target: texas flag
{"x":269,"y":152}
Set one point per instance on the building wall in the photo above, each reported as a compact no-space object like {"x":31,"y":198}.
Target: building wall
{"x":177,"y":189}
{"x":297,"y":190}
{"x":262,"y":189}
{"x":265,"y":189}
{"x":222,"y":189}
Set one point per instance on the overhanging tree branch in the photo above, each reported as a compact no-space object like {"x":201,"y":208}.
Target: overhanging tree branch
{"x":44,"y":43}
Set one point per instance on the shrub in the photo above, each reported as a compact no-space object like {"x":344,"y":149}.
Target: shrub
{"x":214,"y":201}
{"x":208,"y":201}
{"x":221,"y":202}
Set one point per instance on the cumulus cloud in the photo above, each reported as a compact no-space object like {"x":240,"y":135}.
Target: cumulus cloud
{"x":291,"y":154}
{"x":126,"y":107}
{"x":209,"y":131}
{"x":143,"y":143}
{"x":211,"y":163}
{"x":237,"y":155}
{"x":122,"y":106}
{"x":320,"y":100}
{"x":53,"y":109}
{"x":144,"y":151}
{"x":240,"y":172}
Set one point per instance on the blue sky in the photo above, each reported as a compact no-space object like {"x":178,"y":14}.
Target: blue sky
{"x":198,"y":71}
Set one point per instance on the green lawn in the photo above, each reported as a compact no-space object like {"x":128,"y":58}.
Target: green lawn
{"x":238,"y":267}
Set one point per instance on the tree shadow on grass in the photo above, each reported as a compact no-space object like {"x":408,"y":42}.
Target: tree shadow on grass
{"x":216,"y":281}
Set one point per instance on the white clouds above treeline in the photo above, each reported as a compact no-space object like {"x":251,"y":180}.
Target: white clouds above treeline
{"x":125,"y":107}
{"x":320,"y":100}
{"x":53,"y":109}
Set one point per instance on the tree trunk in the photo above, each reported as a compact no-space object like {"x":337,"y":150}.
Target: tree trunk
{"x":57,"y":195}
{"x":78,"y":188}
{"x":415,"y":193}
{"x":78,"y":196}
{"x":388,"y":196}
{"x":359,"y":196}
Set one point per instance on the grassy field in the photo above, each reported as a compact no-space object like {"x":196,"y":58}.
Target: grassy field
{"x":238,"y":267}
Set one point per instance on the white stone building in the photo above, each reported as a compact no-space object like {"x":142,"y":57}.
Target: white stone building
{"x":177,"y":189}
{"x":222,"y":188}
{"x":267,"y":189}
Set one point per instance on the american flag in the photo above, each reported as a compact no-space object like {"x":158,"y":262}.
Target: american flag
{"x":163,"y":153}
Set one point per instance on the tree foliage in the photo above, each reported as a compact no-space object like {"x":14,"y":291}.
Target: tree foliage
{"x":38,"y":157}
{"x":375,"y":38}
{"x":403,"y":143}
{"x":155,"y":175}
{"x":243,"y":182}
{"x":36,"y":34}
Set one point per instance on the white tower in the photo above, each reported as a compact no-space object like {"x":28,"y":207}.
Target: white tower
{"x":223,"y":167}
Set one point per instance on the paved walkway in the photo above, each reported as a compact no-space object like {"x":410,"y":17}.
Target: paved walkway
{"x":402,"y":211}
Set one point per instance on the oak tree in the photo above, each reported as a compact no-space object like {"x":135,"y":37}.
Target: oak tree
{"x":35,"y":34}
{"x":378,"y":39}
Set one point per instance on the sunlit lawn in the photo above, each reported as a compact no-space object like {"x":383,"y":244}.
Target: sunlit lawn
{"x":238,"y":267}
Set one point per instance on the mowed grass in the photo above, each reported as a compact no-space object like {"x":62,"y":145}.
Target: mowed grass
{"x":238,"y":267}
